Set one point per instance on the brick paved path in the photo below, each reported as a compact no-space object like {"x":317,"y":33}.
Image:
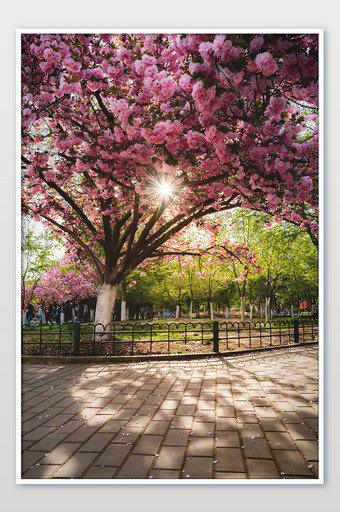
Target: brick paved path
{"x":252,"y":416}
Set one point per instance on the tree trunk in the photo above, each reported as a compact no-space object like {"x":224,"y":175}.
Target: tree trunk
{"x":105,"y":303}
{"x":190,"y":310}
{"x":242,"y":309}
{"x":211,"y":310}
{"x":123,"y":304}
{"x":251,"y":311}
{"x":177,"y":310}
{"x":227,"y":312}
{"x":267,"y":309}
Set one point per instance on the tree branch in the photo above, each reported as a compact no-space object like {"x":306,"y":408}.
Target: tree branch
{"x":96,"y":262}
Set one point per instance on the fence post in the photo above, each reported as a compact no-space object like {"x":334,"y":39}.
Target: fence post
{"x":215,"y":336}
{"x":76,"y":338}
{"x":296,"y":330}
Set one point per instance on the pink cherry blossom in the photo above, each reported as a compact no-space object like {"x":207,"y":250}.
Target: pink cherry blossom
{"x":266,"y":63}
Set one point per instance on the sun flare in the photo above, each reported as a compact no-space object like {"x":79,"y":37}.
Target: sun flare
{"x":165,"y":189}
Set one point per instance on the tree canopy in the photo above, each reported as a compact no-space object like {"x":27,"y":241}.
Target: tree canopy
{"x":127,"y":139}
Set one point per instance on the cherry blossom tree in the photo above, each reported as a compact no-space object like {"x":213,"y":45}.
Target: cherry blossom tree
{"x":127,"y":139}
{"x":65,"y":281}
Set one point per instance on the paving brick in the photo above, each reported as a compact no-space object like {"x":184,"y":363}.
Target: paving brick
{"x":31,"y":424}
{"x":309,"y":449}
{"x":272,"y":425}
{"x":256,"y":448}
{"x":225,"y":424}
{"x":96,"y":443}
{"x":262,"y":469}
{"x":74,"y":408}
{"x":298,"y":431}
{"x":198,"y":467}
{"x":205,"y":415}
{"x":170,"y":457}
{"x":127,"y":413}
{"x":289,"y":417}
{"x":201,"y":446}
{"x":38,"y":433}
{"x":148,"y":445}
{"x":313,"y":423}
{"x":229,"y":476}
{"x":113,"y":455}
{"x":136,"y":466}
{"x":225,"y":412}
{"x":252,"y":431}
{"x":308,"y":412}
{"x":101,"y":402}
{"x":50,"y":441}
{"x":229,"y":459}
{"x":41,"y":471}
{"x":182,"y":422}
{"x":165,"y":474}
{"x":169,"y":404}
{"x":265,"y":412}
{"x":203,"y":429}
{"x":76,"y":466}
{"x":61,"y":453}
{"x":139,"y":421}
{"x":30,"y":458}
{"x":100,"y":472}
{"x":157,"y":427}
{"x":120,"y":399}
{"x":280,"y":441}
{"x":291,"y":463}
{"x":188,"y":400}
{"x":186,"y":410}
{"x":246,"y":418}
{"x":206,"y":404}
{"x":112,"y":426}
{"x":227,"y":439}
{"x":177,"y":437}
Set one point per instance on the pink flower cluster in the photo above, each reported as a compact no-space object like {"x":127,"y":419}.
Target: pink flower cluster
{"x":266,"y":63}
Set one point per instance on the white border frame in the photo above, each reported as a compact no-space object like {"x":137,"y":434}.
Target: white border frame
{"x":320,"y":32}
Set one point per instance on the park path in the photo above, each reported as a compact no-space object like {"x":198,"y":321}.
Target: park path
{"x":251,"y":416}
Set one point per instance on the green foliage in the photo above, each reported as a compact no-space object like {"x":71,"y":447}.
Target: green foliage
{"x":286,"y":255}
{"x":38,"y":254}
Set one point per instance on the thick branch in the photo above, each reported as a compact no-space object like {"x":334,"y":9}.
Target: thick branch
{"x":96,"y":262}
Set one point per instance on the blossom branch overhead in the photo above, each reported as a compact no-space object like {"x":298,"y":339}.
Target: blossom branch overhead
{"x":129,"y":138}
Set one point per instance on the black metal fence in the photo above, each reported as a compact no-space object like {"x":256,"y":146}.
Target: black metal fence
{"x":163,"y":338}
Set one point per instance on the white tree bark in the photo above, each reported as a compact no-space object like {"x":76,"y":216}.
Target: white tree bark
{"x":242,"y":309}
{"x":251,"y":311}
{"x":227,"y":312}
{"x":177,"y":310}
{"x":105,"y":303}
{"x":267,"y":309}
{"x":211,"y":310}
{"x":123,"y":312}
{"x":190,"y":310}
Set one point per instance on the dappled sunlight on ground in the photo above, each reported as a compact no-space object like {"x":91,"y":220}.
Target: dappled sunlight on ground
{"x":252,"y":416}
